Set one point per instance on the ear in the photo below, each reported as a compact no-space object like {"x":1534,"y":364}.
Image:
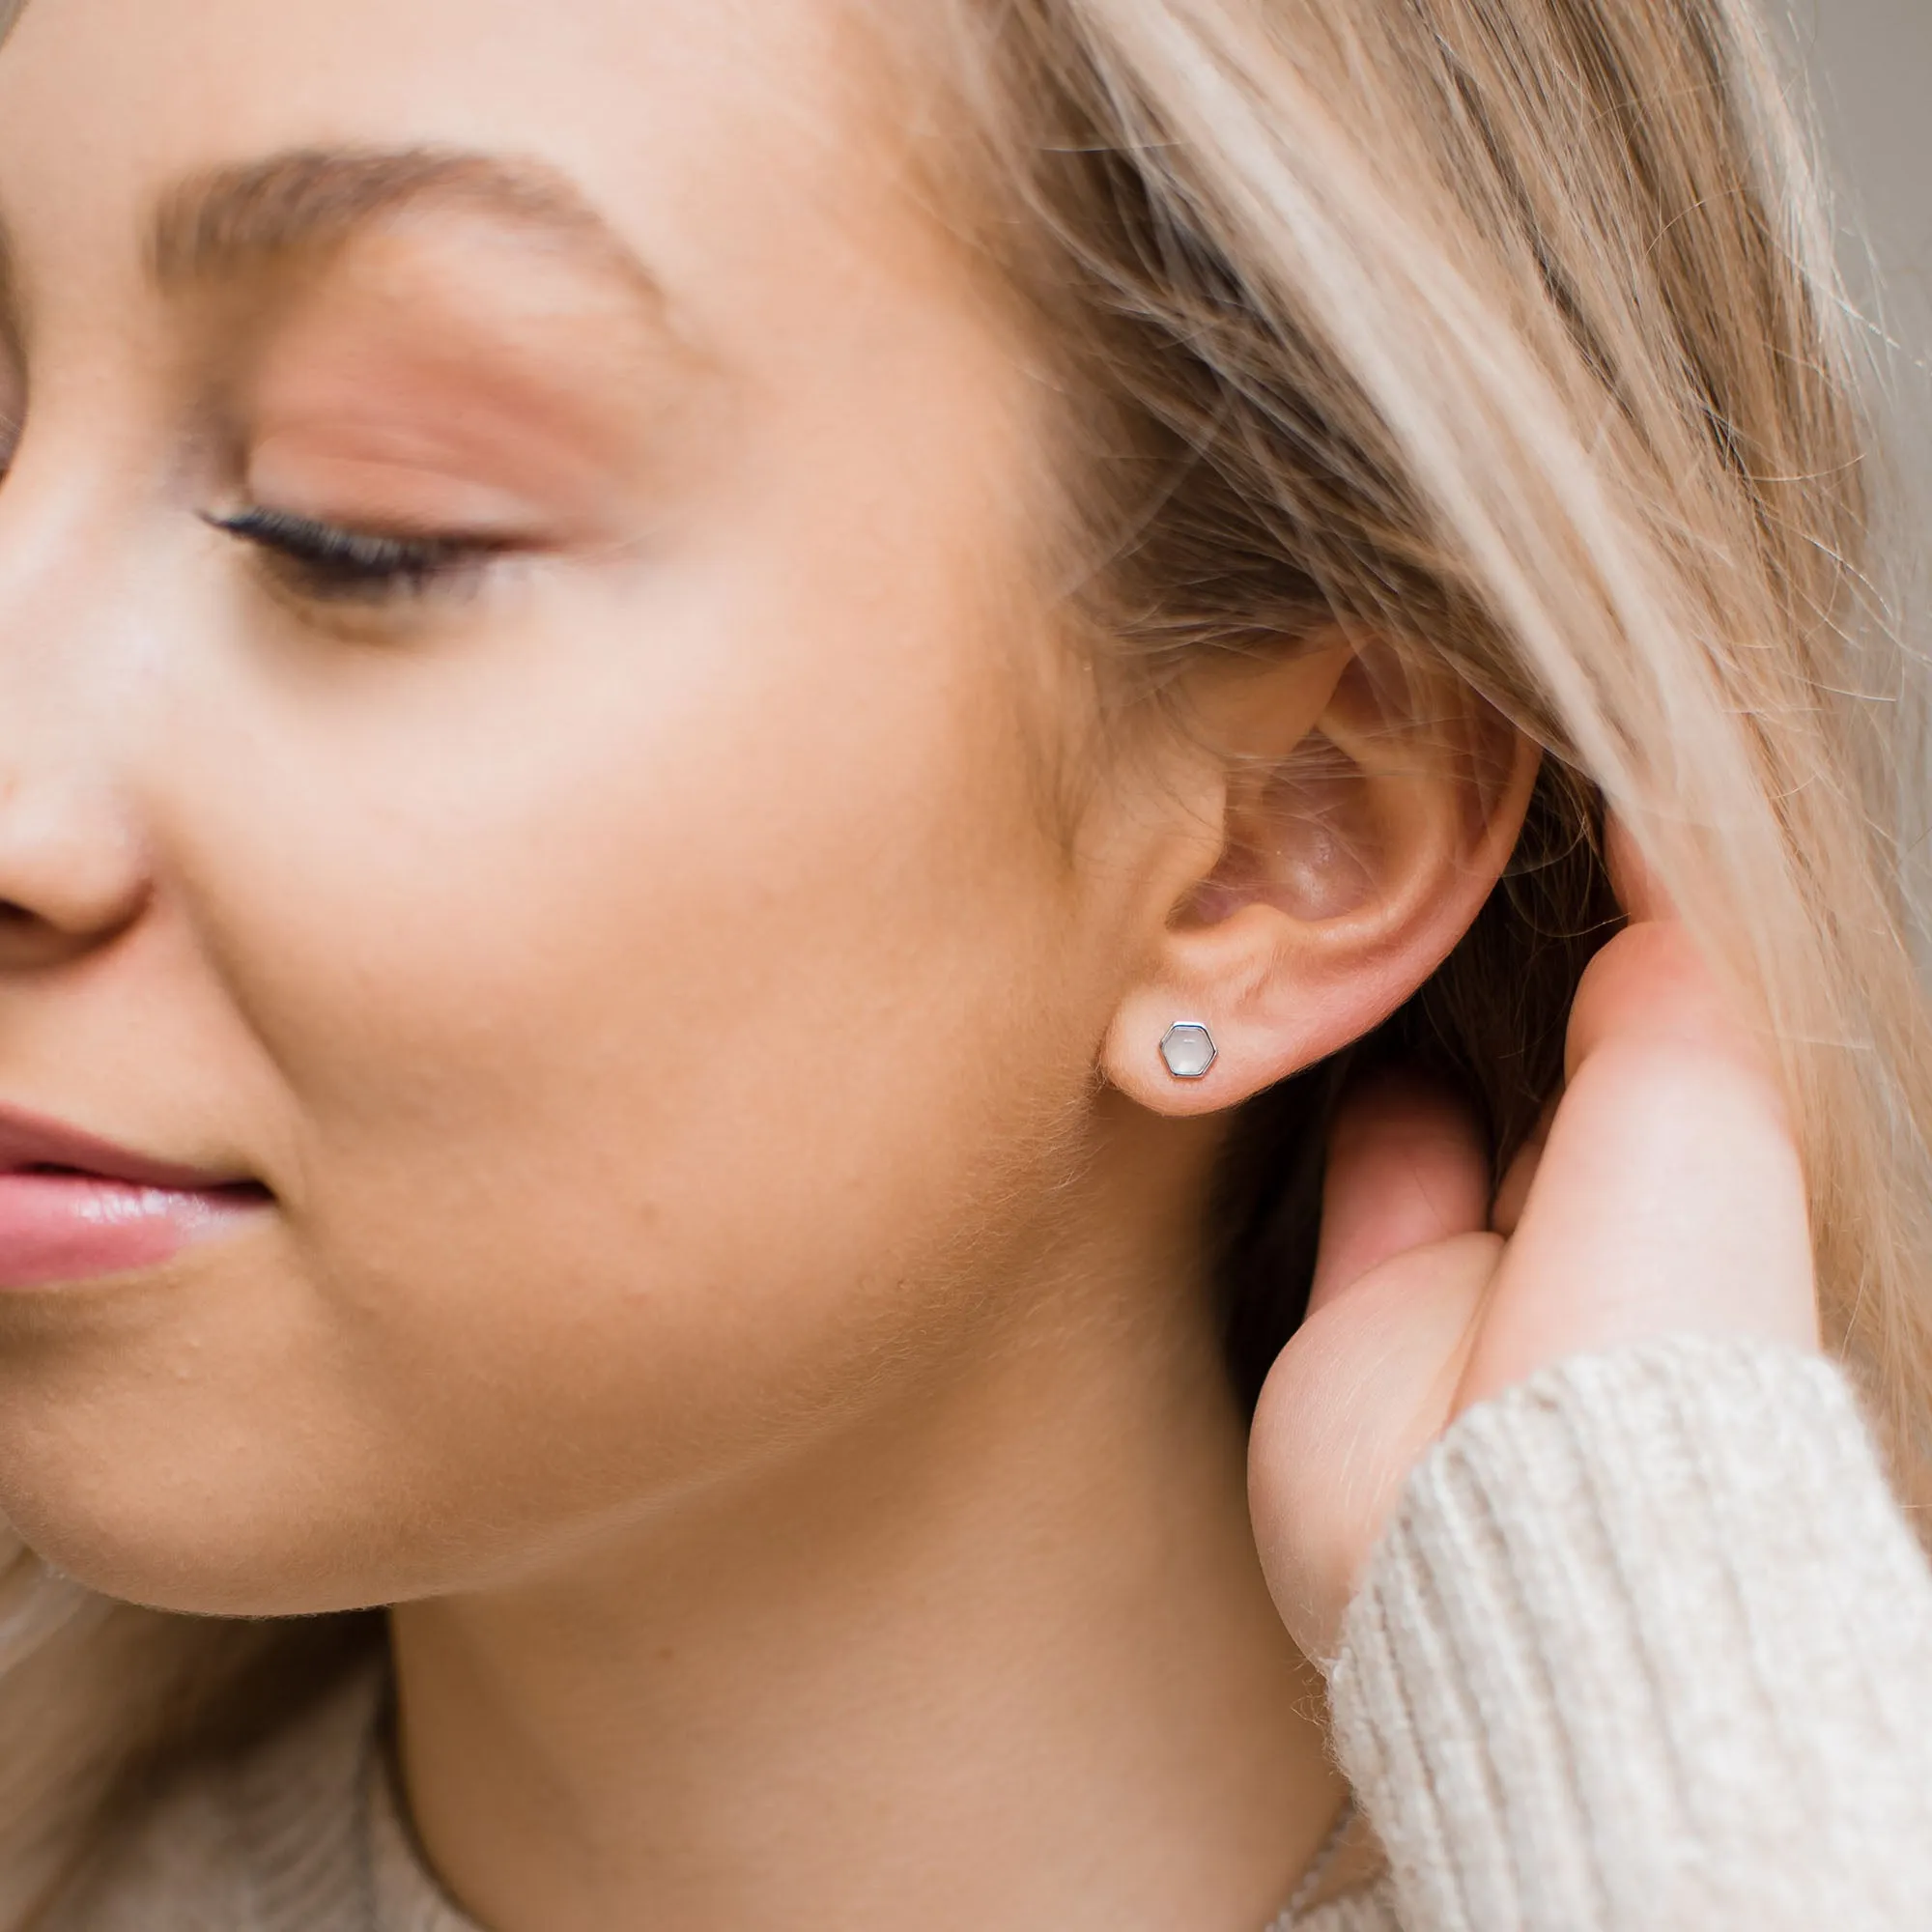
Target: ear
{"x":1364,"y":815}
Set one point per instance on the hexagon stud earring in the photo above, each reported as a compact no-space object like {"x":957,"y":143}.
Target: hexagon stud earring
{"x":1189,"y":1050}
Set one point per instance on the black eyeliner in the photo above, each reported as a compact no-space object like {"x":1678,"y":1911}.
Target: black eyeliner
{"x":338,"y":561}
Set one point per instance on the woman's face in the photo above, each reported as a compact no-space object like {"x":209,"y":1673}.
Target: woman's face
{"x":628,"y":954}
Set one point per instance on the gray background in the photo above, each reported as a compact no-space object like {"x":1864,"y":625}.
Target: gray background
{"x":1870,"y":66}
{"x":1870,"y":63}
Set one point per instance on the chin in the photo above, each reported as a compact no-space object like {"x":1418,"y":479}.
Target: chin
{"x":188,"y":1576}
{"x":158,"y":1477}
{"x":162,"y":1539}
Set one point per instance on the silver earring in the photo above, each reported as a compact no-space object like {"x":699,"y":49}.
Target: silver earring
{"x":1189,"y":1050}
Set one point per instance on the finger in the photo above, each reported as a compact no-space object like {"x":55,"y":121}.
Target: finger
{"x":1671,"y":1197}
{"x":1651,"y":987}
{"x":1353,"y":1401}
{"x":1406,"y":1168}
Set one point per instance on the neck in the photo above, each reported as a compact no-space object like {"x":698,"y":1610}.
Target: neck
{"x":998,"y":1653}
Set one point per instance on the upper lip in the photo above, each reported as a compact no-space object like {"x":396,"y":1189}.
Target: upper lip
{"x":32,"y":1141}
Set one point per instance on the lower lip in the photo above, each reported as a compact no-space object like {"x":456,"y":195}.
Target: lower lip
{"x":58,"y":1228}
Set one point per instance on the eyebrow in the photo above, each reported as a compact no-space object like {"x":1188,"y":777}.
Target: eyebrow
{"x":252,"y":215}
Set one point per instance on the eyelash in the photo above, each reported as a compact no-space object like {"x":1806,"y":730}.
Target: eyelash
{"x":331,"y":564}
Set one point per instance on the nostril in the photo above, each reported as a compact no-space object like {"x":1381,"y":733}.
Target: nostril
{"x":36,"y":935}
{"x":16,"y":919}
{"x":27,"y":939}
{"x":73,"y":872}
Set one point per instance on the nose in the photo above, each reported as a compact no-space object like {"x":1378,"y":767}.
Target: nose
{"x":71,"y":873}
{"x":81,"y":625}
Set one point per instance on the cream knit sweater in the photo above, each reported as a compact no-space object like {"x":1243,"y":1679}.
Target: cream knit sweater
{"x":1648,"y":1649}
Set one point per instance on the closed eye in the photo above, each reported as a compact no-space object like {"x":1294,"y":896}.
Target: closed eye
{"x":334,"y":564}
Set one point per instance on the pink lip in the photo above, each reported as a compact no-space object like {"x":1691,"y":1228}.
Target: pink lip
{"x":75,"y":1208}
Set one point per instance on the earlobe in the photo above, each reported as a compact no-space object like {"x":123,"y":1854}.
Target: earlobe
{"x":1351,"y":862}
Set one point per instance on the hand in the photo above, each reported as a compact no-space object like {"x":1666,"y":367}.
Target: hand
{"x":1665,"y":1197}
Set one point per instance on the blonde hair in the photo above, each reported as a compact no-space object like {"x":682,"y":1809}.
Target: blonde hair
{"x":1507,"y":329}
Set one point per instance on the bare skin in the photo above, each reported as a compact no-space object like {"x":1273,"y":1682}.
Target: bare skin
{"x":727,"y":1258}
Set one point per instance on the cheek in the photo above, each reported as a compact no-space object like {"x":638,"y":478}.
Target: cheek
{"x":656,"y":1042}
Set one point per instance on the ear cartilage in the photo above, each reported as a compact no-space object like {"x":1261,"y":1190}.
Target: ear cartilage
{"x":1189,"y":1050}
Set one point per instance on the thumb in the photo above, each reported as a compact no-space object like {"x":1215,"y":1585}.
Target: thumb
{"x":1406,"y":1168}
{"x":1368,"y":1382}
{"x":1349,"y":1408}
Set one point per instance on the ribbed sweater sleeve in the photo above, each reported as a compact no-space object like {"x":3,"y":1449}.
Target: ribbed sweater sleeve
{"x":1648,"y":1645}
